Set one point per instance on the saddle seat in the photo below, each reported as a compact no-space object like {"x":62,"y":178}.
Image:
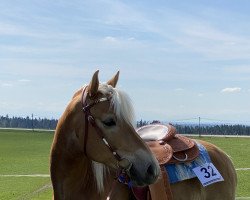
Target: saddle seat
{"x":168,"y":148}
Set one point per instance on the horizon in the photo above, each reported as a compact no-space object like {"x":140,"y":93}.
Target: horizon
{"x":189,"y":122}
{"x":178,"y":60}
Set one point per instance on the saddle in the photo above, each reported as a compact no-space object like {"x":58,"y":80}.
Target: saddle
{"x":168,"y":148}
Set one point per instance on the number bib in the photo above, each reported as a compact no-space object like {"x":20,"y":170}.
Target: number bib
{"x":208,"y":174}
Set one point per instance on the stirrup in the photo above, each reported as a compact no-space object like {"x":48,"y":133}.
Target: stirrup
{"x":180,"y":159}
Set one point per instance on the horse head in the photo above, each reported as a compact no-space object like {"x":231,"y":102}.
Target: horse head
{"x":108,"y":135}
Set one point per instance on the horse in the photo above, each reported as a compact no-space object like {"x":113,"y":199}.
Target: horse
{"x":95,"y":142}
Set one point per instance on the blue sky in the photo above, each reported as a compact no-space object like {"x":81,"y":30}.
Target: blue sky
{"x":178,"y":59}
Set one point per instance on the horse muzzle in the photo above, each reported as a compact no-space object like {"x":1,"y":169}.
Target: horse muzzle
{"x":141,"y":172}
{"x":144,"y":175}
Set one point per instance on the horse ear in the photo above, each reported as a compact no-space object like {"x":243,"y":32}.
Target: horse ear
{"x":94,"y":84}
{"x":113,"y":81}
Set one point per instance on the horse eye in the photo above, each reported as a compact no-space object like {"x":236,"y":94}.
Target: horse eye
{"x":109,"y":122}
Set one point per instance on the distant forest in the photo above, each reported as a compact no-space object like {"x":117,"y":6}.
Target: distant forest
{"x":27,"y":122}
{"x":44,"y":123}
{"x":221,"y":129}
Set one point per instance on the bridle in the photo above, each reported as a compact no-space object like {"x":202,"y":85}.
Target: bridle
{"x":89,"y":119}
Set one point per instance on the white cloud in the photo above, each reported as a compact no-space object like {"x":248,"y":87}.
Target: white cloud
{"x":231,"y":90}
{"x":178,"y":89}
{"x":124,"y":41}
{"x":110,"y":39}
{"x":131,"y":39}
{"x":6,"y":84}
{"x":24,"y":80}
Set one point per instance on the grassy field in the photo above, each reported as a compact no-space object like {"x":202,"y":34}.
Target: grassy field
{"x":27,"y":153}
{"x":238,"y":149}
{"x":22,"y":153}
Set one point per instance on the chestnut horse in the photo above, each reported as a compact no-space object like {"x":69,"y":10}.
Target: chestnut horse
{"x":94,"y":142}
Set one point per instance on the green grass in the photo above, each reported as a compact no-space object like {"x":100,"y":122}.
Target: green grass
{"x":27,"y":152}
{"x":24,"y":152}
{"x":13,"y":188}
{"x":238,"y":149}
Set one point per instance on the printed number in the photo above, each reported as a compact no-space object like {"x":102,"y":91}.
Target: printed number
{"x":209,"y":171}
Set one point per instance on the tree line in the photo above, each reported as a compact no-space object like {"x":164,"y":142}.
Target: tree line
{"x":27,"y":122}
{"x":214,"y":129}
{"x":44,"y":123}
{"x":222,"y":129}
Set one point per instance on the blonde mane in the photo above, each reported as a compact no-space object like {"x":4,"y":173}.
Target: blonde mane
{"x":100,"y":171}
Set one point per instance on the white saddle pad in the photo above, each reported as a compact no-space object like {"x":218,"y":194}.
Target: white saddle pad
{"x":152,"y":132}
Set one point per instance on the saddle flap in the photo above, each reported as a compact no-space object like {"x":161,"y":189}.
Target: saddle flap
{"x":181,"y":143}
{"x":185,"y":156}
{"x":162,"y":152}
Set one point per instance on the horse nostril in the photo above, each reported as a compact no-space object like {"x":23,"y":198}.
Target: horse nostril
{"x":151,"y":171}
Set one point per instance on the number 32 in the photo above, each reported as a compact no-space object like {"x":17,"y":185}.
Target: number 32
{"x":208,"y":172}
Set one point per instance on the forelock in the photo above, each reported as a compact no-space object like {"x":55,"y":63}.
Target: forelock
{"x":121,"y":103}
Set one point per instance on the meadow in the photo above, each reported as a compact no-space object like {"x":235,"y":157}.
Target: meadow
{"x":25,"y":152}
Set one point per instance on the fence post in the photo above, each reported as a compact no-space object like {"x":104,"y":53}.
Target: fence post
{"x":199,"y":127}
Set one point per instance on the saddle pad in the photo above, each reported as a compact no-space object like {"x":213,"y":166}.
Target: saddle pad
{"x":183,"y":171}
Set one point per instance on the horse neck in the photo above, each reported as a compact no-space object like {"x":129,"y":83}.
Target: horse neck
{"x":67,"y":152}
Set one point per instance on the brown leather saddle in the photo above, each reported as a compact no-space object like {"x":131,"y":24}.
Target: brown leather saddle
{"x":169,"y":148}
